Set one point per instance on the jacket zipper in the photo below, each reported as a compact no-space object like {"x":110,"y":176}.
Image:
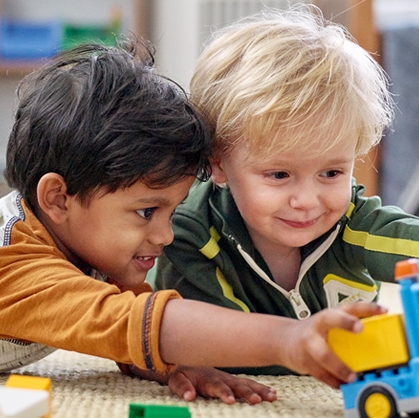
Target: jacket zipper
{"x":300,"y":307}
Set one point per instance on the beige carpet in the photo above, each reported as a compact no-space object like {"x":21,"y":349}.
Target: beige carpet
{"x":89,"y":387}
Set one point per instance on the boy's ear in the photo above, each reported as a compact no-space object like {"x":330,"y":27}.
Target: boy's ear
{"x":52,"y":197}
{"x":218,"y":174}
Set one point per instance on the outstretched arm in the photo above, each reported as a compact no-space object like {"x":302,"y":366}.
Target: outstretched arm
{"x":199,"y":334}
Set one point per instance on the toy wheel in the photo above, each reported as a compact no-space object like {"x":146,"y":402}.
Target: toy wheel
{"x":377,"y":402}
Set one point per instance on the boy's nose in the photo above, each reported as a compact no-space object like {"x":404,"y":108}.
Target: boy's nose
{"x":161,"y":235}
{"x":304,"y":196}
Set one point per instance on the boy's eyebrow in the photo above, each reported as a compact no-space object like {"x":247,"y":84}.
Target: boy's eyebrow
{"x":340,"y":160}
{"x":160,"y":201}
{"x":332,"y":161}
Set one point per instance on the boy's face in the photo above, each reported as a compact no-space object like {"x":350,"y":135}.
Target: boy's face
{"x":288,"y":200}
{"x":121,"y":234}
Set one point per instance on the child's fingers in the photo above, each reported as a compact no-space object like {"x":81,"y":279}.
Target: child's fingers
{"x":251,"y":391}
{"x":321,"y":374}
{"x":187,"y":382}
{"x":329,"y":368}
{"x":182,"y":387}
{"x":240,"y":389}
{"x":266,"y":393}
{"x":230,"y":388}
{"x":244,"y":392}
{"x":217,"y":388}
{"x":363,"y":309}
{"x":315,"y":356}
{"x":335,"y":318}
{"x":228,"y":394}
{"x":323,"y":364}
{"x":320,"y":360}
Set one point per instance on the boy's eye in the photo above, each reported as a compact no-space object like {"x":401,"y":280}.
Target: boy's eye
{"x":331,"y":173}
{"x":146,"y":213}
{"x":280,"y":175}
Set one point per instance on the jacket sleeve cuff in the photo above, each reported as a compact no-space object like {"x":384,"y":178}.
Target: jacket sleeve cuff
{"x":146,"y":345}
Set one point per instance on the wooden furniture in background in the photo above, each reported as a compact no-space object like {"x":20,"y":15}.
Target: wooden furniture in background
{"x":142,"y":13}
{"x":362,"y":27}
{"x":357,"y":16}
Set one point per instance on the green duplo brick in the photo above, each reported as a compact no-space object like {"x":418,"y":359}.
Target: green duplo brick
{"x":158,"y":411}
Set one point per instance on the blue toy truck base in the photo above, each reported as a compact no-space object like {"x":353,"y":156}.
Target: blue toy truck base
{"x":393,"y":390}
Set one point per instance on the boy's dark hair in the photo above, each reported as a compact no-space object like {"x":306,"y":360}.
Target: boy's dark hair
{"x":101,"y":117}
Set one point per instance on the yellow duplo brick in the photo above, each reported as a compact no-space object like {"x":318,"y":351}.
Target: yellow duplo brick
{"x":382,"y":343}
{"x":31,"y":382}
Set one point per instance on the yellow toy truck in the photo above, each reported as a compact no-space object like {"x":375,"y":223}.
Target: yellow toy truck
{"x":385,"y":356}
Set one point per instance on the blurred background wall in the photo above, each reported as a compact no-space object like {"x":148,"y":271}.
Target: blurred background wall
{"x":178,"y":29}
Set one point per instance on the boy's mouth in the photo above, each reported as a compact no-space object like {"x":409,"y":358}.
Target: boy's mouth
{"x":147,"y":257}
{"x":297,"y":224}
{"x":145,"y":262}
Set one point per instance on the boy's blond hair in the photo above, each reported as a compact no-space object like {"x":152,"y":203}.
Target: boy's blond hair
{"x":283,"y":81}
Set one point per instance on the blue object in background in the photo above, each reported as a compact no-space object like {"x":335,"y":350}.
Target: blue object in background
{"x":400,"y":146}
{"x":29,"y":40}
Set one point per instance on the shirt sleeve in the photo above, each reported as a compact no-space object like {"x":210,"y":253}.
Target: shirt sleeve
{"x":376,"y":237}
{"x":46,"y":299}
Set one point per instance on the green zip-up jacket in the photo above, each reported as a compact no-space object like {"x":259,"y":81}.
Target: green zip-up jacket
{"x":213,"y":259}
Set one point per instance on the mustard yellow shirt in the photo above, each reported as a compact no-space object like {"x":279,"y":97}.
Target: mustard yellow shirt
{"x":47,"y":303}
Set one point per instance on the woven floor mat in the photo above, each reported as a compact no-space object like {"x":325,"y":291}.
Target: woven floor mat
{"x":89,"y":387}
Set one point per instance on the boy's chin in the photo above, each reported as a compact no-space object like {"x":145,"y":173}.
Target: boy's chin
{"x":137,"y":287}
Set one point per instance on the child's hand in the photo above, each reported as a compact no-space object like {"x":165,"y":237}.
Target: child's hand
{"x":187,"y":382}
{"x":306,"y":343}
